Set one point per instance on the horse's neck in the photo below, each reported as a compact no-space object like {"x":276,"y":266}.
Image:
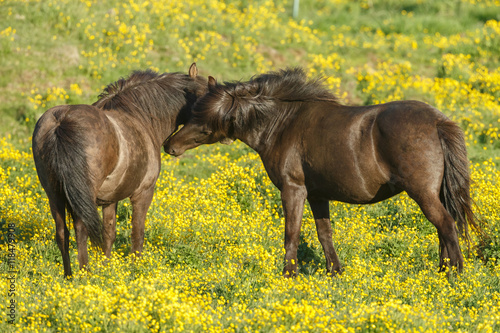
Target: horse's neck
{"x":165,"y":127}
{"x":261,"y":137}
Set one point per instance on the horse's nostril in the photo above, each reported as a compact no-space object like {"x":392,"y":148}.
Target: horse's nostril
{"x":172,"y":151}
{"x":169,"y":150}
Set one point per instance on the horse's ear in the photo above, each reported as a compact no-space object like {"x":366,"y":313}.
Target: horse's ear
{"x":212,"y":82}
{"x":193,"y":70}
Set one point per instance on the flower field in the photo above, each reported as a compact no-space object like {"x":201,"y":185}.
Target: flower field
{"x":214,"y":233}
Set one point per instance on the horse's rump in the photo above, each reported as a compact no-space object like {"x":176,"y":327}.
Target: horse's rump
{"x":60,"y":142}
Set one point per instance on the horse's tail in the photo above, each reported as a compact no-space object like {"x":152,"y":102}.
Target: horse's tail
{"x":455,"y":189}
{"x":61,"y":149}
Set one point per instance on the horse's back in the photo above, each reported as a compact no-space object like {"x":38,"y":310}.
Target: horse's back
{"x":397,"y":118}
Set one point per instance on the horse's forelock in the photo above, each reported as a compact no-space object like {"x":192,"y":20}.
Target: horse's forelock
{"x":212,"y":108}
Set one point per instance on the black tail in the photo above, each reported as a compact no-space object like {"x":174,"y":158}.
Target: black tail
{"x":62,"y":150}
{"x":455,"y":190}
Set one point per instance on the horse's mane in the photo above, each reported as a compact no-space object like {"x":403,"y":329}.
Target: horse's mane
{"x":270,"y":97}
{"x":288,"y":85}
{"x":148,"y":94}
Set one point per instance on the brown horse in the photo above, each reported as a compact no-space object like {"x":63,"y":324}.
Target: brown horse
{"x":314,"y":148}
{"x":90,"y":155}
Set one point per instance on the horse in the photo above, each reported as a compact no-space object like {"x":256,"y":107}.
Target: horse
{"x":314,"y":148}
{"x":96,"y":155}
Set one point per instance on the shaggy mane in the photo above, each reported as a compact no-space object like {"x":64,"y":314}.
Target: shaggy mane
{"x":148,"y":94}
{"x":270,"y":97}
{"x":287,"y":85}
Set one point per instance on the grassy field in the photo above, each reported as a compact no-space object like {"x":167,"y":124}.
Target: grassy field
{"x":214,"y":233}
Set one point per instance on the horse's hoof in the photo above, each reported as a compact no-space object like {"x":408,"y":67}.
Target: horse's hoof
{"x":335,"y":272}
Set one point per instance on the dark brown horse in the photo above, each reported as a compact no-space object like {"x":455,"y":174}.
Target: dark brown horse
{"x":314,"y":148}
{"x":90,"y":155}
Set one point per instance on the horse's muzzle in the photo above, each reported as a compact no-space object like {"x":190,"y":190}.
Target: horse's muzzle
{"x":172,"y":150}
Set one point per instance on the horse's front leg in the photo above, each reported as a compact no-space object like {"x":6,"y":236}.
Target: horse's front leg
{"x":321,"y":212}
{"x":140,"y":205}
{"x":109,"y":230}
{"x":293,"y":198}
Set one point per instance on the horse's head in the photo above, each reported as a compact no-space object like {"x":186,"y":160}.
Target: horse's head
{"x":209,"y":122}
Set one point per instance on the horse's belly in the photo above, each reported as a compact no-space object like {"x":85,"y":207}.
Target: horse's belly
{"x":351,"y":188}
{"x":349,"y":196}
{"x":113,"y":189}
{"x":336,"y":193}
{"x":341,"y":174}
{"x":129,"y":178}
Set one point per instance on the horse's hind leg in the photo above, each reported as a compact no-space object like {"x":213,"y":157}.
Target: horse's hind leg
{"x":81,"y":236}
{"x":58,"y":210}
{"x":109,"y":221}
{"x":435,"y":212}
{"x":321,"y":212}
{"x":140,"y":206}
{"x":418,"y":168}
{"x":443,"y":253}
